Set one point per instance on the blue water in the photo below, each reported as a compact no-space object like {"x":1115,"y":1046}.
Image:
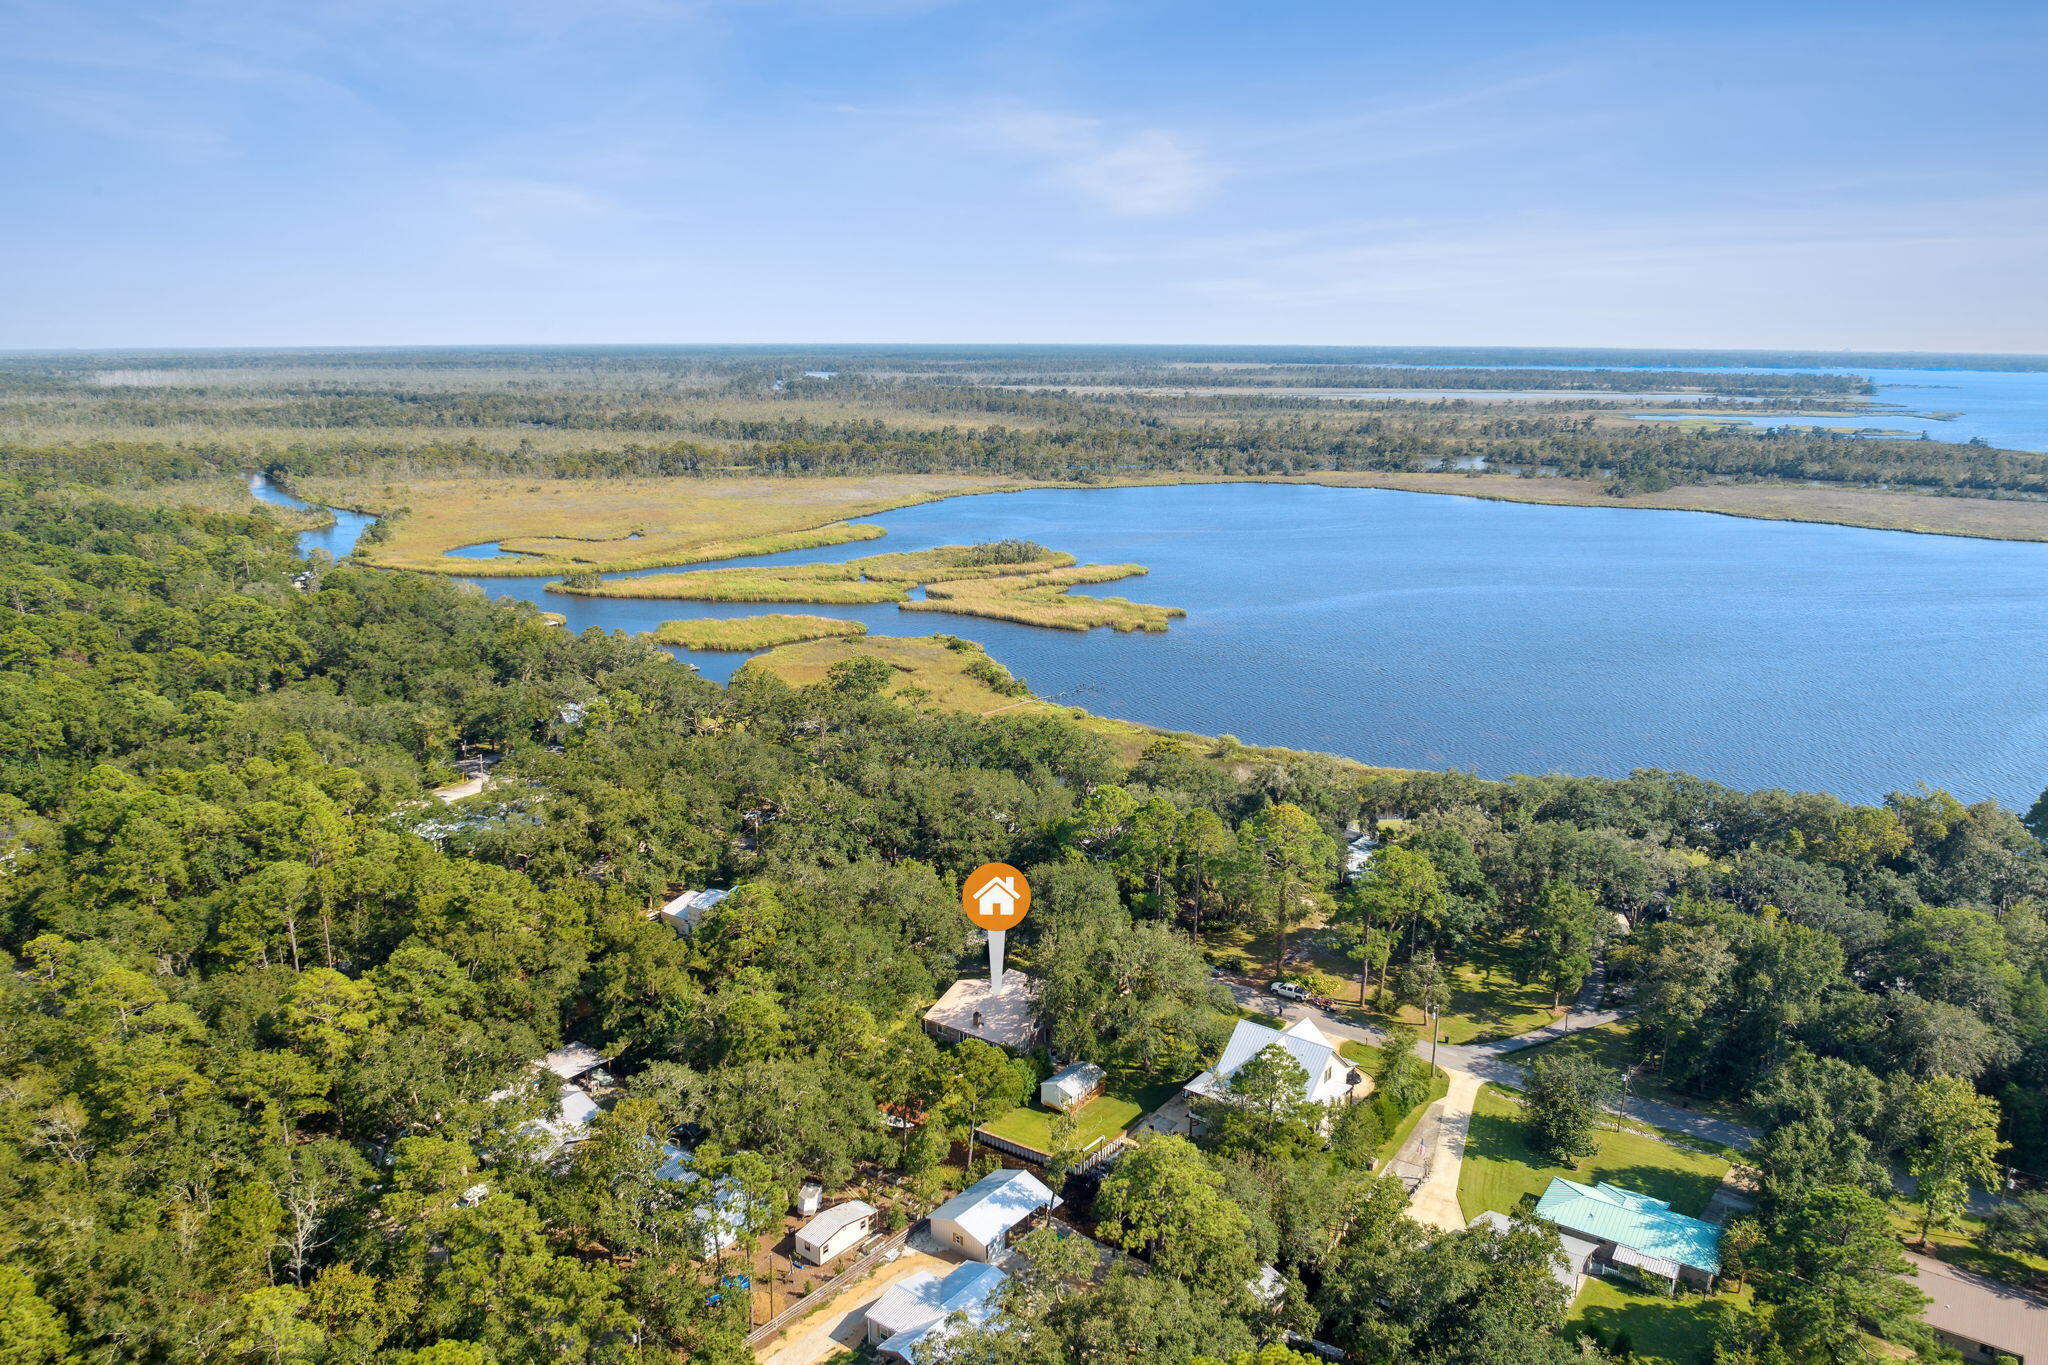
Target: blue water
{"x":2007,"y":408}
{"x":338,"y":540}
{"x":1435,"y":631}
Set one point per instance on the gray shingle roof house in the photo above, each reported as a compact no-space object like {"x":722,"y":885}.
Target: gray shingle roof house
{"x":1569,"y":1270}
{"x":1983,"y":1319}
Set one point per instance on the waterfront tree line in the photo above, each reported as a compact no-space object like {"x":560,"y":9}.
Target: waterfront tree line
{"x":258,"y":993}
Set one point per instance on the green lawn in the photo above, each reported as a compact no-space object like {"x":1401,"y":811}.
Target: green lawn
{"x":1500,"y":1170}
{"x":1663,"y":1330}
{"x":1611,"y":1047}
{"x":1961,"y":1247}
{"x":1486,"y":1003}
{"x":1030,"y":1124}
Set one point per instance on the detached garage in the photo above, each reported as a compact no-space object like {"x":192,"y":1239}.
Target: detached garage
{"x":976,"y":1222}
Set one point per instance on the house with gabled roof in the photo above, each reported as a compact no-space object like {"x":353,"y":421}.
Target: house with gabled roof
{"x":1635,"y":1232}
{"x":1329,"y":1074}
{"x":685,"y":912}
{"x":977,"y":1221}
{"x":919,"y":1310}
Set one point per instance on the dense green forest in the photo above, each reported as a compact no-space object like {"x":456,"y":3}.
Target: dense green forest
{"x":266,"y":1013}
{"x":1101,"y":414}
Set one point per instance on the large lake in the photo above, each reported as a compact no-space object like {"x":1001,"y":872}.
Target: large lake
{"x":1434,"y":631}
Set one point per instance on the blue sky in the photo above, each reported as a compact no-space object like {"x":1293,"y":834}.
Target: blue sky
{"x":329,"y":172}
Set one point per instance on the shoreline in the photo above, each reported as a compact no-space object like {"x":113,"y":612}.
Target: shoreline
{"x":2016,"y":520}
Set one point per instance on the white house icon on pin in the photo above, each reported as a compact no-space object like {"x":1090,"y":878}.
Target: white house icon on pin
{"x":997,"y":899}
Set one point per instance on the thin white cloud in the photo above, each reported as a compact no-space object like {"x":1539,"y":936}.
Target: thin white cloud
{"x":1135,"y":172}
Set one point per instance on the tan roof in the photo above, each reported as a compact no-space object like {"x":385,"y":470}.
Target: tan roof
{"x":1009,"y":1017}
{"x":1982,"y":1309}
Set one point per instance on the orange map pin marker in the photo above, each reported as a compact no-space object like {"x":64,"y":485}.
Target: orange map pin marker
{"x":995,"y":897}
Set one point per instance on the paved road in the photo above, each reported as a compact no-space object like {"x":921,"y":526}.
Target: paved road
{"x":1471,"y":1065}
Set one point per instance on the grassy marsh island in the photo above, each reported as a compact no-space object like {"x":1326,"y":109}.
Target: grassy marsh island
{"x":1047,"y":600}
{"x":744,"y":634}
{"x":1011,"y":580}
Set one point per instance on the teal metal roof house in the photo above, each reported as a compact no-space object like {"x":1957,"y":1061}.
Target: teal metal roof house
{"x":1635,"y":1231}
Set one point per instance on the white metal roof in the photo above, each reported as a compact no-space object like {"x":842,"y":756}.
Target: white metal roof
{"x":994,"y":1204}
{"x":1301,"y":1040}
{"x":1077,"y":1078}
{"x":835,"y":1220}
{"x":920,"y":1305}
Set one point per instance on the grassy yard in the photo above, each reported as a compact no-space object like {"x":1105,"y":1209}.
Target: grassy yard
{"x":1486,"y":1003}
{"x":1500,"y":1171}
{"x":1662,"y":1330}
{"x":1961,"y":1247}
{"x":1104,"y":1116}
{"x":1610,"y":1047}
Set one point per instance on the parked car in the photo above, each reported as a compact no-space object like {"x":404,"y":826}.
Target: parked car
{"x":1288,"y":990}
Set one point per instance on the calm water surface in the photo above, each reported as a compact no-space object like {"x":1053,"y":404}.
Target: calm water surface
{"x":1439,"y":631}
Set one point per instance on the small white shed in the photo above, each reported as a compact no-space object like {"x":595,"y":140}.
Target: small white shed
{"x":1071,"y":1087}
{"x":835,"y":1231}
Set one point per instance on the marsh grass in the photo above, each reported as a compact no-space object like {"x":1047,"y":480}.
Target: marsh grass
{"x":1034,"y":591}
{"x":744,"y":634}
{"x":1046,"y":600}
{"x":613,"y":525}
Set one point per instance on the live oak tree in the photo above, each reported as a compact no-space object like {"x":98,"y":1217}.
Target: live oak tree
{"x":1267,"y":1110}
{"x":1164,"y":1201}
{"x":1293,"y":860}
{"x":1952,"y":1144}
{"x":1563,"y":1105}
{"x":1828,"y":1271}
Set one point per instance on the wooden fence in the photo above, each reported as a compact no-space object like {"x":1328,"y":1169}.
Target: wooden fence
{"x":1103,"y":1155}
{"x":819,"y":1293}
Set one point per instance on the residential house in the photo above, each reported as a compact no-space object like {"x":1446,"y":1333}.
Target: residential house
{"x":721,"y":1222}
{"x":580,"y":1069}
{"x":919,"y":1309}
{"x":1359,"y":852}
{"x":1071,"y":1087}
{"x":977,"y":1221}
{"x":687,"y":911}
{"x":1570,"y":1267}
{"x":837,"y":1230}
{"x":1331,"y":1079}
{"x":580,"y":1063}
{"x":1636,"y":1234}
{"x":1982,"y":1319}
{"x":1006,"y":1015}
